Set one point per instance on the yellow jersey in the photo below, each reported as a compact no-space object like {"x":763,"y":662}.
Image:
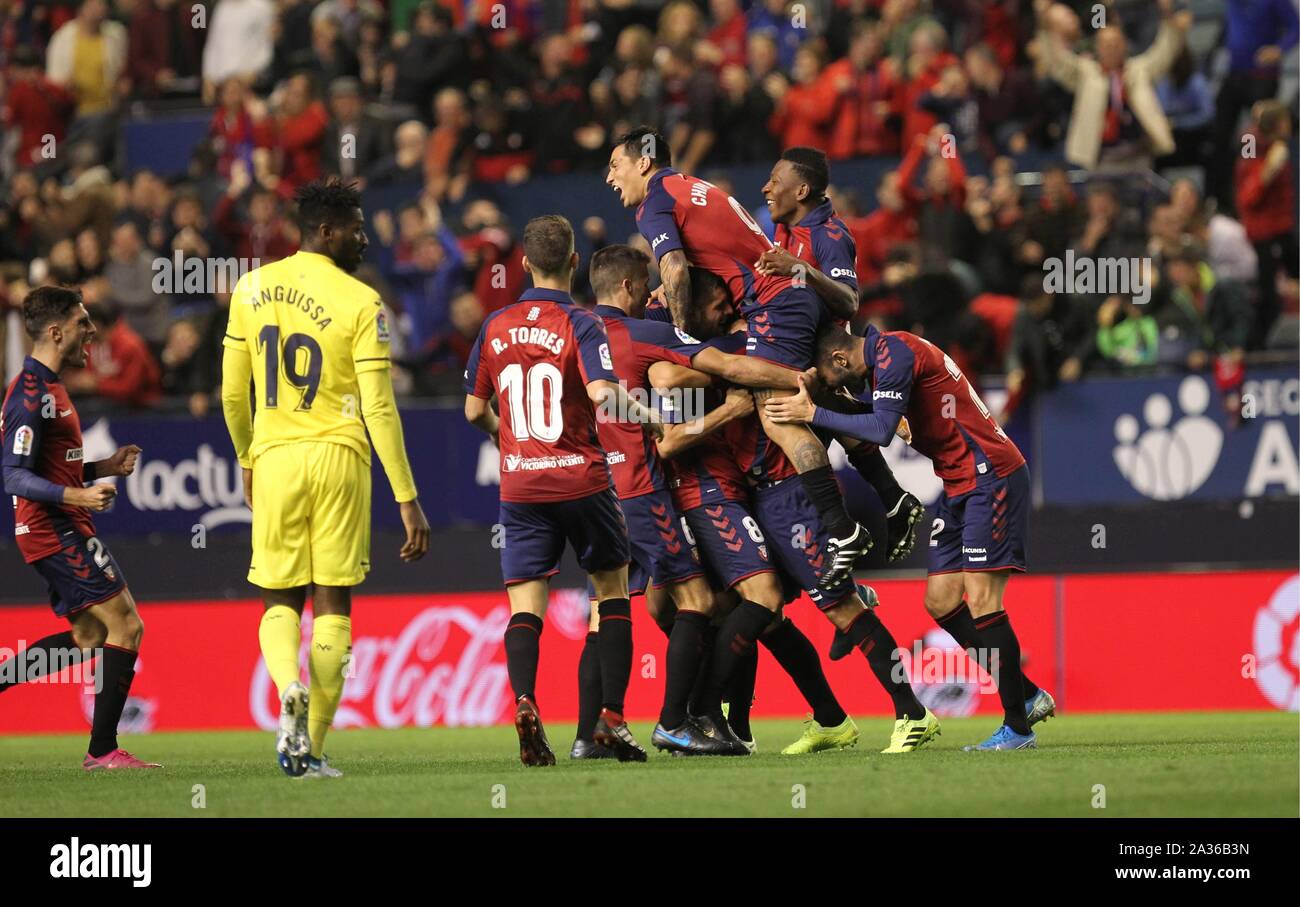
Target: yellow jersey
{"x":309,"y":328}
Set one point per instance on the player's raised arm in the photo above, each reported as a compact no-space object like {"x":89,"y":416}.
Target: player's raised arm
{"x":675,"y":272}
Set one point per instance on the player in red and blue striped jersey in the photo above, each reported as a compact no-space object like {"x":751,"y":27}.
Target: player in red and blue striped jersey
{"x":660,"y":554}
{"x":979,"y":533}
{"x":688,"y":221}
{"x":548,"y":363}
{"x":45,"y":471}
{"x":814,"y":246}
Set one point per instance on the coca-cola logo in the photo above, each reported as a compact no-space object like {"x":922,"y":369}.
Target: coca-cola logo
{"x":446,"y":666}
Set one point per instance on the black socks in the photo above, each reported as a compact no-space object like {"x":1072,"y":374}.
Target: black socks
{"x":876,"y":643}
{"x":824,"y":492}
{"x":615,"y":647}
{"x":960,"y":625}
{"x":588,"y":687}
{"x":684,"y":657}
{"x":523,"y":634}
{"x":116,"y":671}
{"x":996,"y":636}
{"x":797,"y":656}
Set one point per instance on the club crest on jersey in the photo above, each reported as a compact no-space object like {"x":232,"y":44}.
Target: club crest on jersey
{"x":381,"y":327}
{"x":605,"y":359}
{"x":23,"y":440}
{"x":72,"y":455}
{"x":534,"y":313}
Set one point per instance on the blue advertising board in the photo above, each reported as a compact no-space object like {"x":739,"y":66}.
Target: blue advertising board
{"x":1130,"y":440}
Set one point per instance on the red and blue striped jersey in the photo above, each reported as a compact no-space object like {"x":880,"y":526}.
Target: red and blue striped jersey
{"x":538,"y":356}
{"x":42,"y":433}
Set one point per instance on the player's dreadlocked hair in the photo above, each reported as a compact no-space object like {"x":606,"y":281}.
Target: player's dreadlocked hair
{"x":811,"y":166}
{"x":330,"y":201}
{"x":645,"y":141}
{"x":48,"y":305}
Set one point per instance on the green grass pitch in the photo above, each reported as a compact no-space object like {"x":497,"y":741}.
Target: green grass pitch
{"x":1192,"y":764}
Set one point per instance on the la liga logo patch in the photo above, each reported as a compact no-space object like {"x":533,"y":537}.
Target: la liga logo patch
{"x":381,"y":327}
{"x":23,"y":440}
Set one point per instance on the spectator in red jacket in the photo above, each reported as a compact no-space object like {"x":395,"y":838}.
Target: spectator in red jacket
{"x":299,"y":126}
{"x":233,"y":132}
{"x":119,"y":365}
{"x":892,"y":223}
{"x":865,"y":84}
{"x":941,"y":201}
{"x":1266,"y":202}
{"x":928,"y":57}
{"x":804,"y":110}
{"x":36,"y":107}
{"x":724,"y":45}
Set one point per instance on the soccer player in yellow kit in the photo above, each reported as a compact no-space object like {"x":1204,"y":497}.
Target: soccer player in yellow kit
{"x":315,"y":343}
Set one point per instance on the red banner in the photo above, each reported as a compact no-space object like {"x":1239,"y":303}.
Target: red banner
{"x":1100,"y":643}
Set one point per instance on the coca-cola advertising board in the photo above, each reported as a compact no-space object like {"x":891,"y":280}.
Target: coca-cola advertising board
{"x":1203,"y":641}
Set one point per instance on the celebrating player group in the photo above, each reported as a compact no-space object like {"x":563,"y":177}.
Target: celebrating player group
{"x":719,"y":515}
{"x":680,"y":510}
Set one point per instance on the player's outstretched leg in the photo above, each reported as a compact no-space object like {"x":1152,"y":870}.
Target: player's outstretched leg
{"x":47,"y":655}
{"x":280,"y":637}
{"x":828,"y":726}
{"x":960,"y":625}
{"x":121,"y":646}
{"x":615,"y":647}
{"x":914,"y":724}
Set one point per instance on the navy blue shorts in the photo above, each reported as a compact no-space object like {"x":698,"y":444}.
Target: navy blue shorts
{"x":82,"y":574}
{"x":535,"y":534}
{"x":660,"y":552}
{"x":983,"y":529}
{"x":731,"y":543}
{"x":799,"y":539}
{"x":784,"y":330}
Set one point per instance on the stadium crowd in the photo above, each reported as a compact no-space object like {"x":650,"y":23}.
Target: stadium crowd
{"x":1018,"y":133}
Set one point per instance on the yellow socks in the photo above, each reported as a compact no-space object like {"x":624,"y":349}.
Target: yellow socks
{"x":280,"y":636}
{"x":331,"y":646}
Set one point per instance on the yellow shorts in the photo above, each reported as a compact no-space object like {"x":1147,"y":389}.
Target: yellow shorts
{"x":311,"y":516}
